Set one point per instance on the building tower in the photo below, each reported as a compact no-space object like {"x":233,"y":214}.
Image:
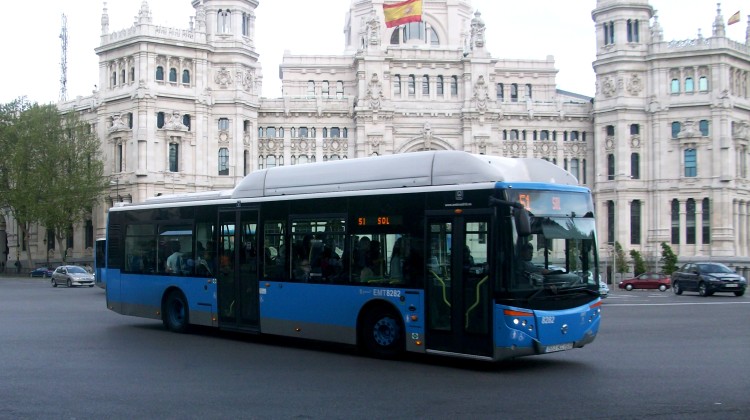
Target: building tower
{"x":64,"y":60}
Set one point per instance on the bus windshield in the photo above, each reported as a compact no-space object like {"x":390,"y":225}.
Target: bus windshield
{"x":559,"y":254}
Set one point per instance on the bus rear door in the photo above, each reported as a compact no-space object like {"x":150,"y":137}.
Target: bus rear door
{"x":458,"y":299}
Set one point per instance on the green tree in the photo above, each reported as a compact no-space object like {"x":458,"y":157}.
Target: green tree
{"x":668,"y":259}
{"x":621,"y":263}
{"x":639,"y":264}
{"x":51,"y":172}
{"x":78,"y":179}
{"x":27,"y":135}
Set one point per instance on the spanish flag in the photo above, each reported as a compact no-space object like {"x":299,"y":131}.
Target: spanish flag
{"x":402,"y":12}
{"x":734,"y":18}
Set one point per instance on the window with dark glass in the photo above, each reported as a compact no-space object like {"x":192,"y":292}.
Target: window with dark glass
{"x":635,"y":166}
{"x":610,"y":167}
{"x":690,"y":221}
{"x":454,"y":86}
{"x":186,"y":77}
{"x":397,"y":85}
{"x":610,"y":222}
{"x":691,"y":163}
{"x":113,"y":80}
{"x":246,"y":163}
{"x":514,"y":92}
{"x":439,"y":86}
{"x":635,"y":222}
{"x":689,"y":87}
{"x":528,"y":91}
{"x":186,"y":121}
{"x":574,"y":135}
{"x":706,"y":218}
{"x":635,"y":129}
{"x":271,"y":132}
{"x":675,"y":221}
{"x":335,"y":132}
{"x":223,"y":161}
{"x":574,"y":168}
{"x":703,"y":125}
{"x":119,"y":157}
{"x":132,"y":74}
{"x":173,"y":75}
{"x":676,"y":128}
{"x":123,"y":80}
{"x":426,"y":85}
{"x":610,"y":130}
{"x":632,"y":26}
{"x":500,"y":92}
{"x":159,"y":120}
{"x":544,"y":135}
{"x":174,"y":156}
{"x":160,"y":73}
{"x":223,"y":124}
{"x":411,"y":85}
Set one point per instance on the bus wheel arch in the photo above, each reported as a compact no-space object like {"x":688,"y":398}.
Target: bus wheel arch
{"x":380,"y":330}
{"x":175,"y":313}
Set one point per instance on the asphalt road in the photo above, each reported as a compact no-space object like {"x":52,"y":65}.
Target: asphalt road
{"x":63,"y":355}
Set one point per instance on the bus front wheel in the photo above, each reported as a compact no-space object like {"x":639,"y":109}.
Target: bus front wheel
{"x":175,"y":314}
{"x":382,"y":333}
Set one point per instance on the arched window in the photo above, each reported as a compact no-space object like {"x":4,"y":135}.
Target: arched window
{"x":223,"y":124}
{"x":280,"y":132}
{"x":676,"y":128}
{"x":610,"y":167}
{"x":186,"y":77}
{"x":160,"y":73}
{"x":186,"y":121}
{"x":260,"y":132}
{"x":635,"y":222}
{"x":270,"y":161}
{"x":326,"y":91}
{"x":610,"y":222}
{"x":703,"y":125}
{"x":159,"y":119}
{"x":690,"y":221}
{"x":454,"y":86}
{"x":528,"y":91}
{"x":224,"y":21}
{"x":310,"y":88}
{"x":223,"y":161}
{"x":415,"y":32}
{"x":123,"y":80}
{"x":426,"y":85}
{"x":173,"y":75}
{"x":691,"y":163}
{"x":706,"y":218}
{"x":397,"y":85}
{"x":174,"y":157}
{"x":514,"y":134}
{"x":345,"y":132}
{"x":411,"y":85}
{"x":132,"y":74}
{"x":271,"y":132}
{"x":689,"y":87}
{"x":500,"y":92}
{"x":675,"y":221}
{"x":633,"y":35}
{"x":339,"y":89}
{"x":335,"y":132}
{"x":113,"y":81}
{"x":703,"y":84}
{"x":514,"y":92}
{"x":440,"y":86}
{"x":635,"y":166}
{"x":544,"y":135}
{"x":675,"y":87}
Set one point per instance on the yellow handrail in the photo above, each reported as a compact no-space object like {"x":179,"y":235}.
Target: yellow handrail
{"x":445,"y":297}
{"x":476,"y":303}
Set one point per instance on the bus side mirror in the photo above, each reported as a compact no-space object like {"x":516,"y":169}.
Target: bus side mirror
{"x":523,"y":221}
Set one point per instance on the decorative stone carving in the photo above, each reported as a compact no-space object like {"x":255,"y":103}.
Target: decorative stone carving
{"x":223,"y":78}
{"x":609,"y":86}
{"x":374,"y":92}
{"x":635,"y":85}
{"x":373,"y":29}
{"x":427,"y":135}
{"x":477,"y":31}
{"x":175,"y":122}
{"x":117,"y":123}
{"x":481,"y":95}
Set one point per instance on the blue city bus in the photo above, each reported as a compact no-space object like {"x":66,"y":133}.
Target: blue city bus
{"x":439,"y":252}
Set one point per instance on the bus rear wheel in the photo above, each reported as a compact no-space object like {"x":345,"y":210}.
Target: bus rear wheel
{"x":175,"y":314}
{"x":382,"y":333}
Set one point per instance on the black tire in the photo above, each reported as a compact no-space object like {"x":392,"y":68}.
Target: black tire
{"x":175,"y":313}
{"x":382,"y":333}
{"x":54,"y":284}
{"x":740,"y":293}
{"x":91,"y":285}
{"x":629,"y":287}
{"x":676,"y":288}
{"x":69,"y":283}
{"x":702,"y":291}
{"x":662,"y":288}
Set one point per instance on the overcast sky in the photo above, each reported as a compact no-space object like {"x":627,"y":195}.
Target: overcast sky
{"x":31,"y":47}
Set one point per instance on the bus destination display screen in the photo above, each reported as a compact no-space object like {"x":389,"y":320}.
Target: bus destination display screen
{"x":552,"y":202}
{"x":381,"y":220}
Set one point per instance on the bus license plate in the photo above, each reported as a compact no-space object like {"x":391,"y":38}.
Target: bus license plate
{"x":558,"y":347}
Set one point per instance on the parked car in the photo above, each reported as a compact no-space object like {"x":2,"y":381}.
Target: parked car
{"x":647,"y":281}
{"x":41,"y":272}
{"x":603,"y":289}
{"x":72,"y":275}
{"x":707,"y":278}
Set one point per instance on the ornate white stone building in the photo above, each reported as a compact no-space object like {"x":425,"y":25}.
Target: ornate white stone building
{"x":179,"y":110}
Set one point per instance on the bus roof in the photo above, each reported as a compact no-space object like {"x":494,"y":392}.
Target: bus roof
{"x":403,"y":170}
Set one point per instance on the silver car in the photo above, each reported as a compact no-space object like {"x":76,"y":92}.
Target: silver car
{"x":72,"y":275}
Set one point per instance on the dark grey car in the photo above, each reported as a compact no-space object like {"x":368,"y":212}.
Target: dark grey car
{"x":72,"y":275}
{"x":707,"y":278}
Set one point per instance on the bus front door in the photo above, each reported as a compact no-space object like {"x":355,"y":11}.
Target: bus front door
{"x":237,"y":275}
{"x":458,"y":289}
